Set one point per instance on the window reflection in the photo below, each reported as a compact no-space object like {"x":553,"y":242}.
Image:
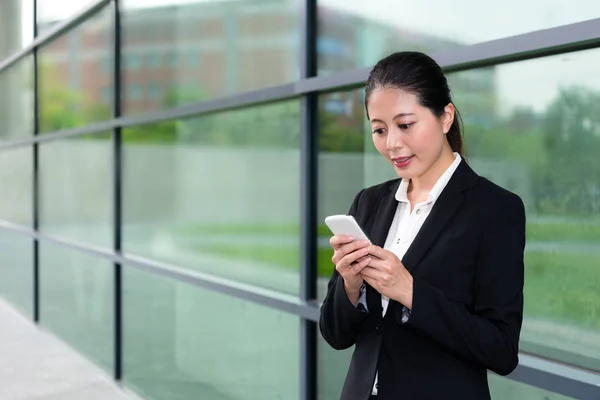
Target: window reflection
{"x":356,"y":33}
{"x":75,"y":76}
{"x":16,"y":101}
{"x":534,"y":128}
{"x":16,"y":26}
{"x":203,"y":193}
{"x":52,"y":12}
{"x":177,"y":348}
{"x":198,"y":50}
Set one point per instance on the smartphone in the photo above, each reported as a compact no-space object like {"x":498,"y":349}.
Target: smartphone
{"x":345,"y":225}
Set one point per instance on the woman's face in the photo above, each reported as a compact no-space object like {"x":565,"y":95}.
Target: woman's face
{"x":408,"y":135}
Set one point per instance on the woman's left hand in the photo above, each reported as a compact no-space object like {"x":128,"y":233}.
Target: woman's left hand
{"x":386,"y":274}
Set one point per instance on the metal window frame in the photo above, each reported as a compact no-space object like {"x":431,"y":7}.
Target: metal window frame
{"x":36,"y":186}
{"x":308,"y":192}
{"x":117,"y":183}
{"x":533,"y":370}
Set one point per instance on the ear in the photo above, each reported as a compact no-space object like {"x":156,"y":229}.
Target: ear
{"x":448,"y":117}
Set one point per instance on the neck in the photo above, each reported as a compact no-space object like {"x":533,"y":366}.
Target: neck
{"x":425,"y":182}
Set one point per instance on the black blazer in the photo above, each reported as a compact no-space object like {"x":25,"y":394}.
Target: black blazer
{"x":467,"y":265}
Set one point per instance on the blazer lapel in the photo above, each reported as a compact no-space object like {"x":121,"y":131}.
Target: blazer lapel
{"x":443,"y":210}
{"x":384,"y":215}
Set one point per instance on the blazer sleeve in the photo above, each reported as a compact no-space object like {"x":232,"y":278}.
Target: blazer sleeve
{"x":340,"y":319}
{"x":488,"y":333}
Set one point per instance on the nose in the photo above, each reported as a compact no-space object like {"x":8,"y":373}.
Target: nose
{"x":394,"y":140}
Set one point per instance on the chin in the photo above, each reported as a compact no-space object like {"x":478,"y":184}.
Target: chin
{"x":404,"y":173}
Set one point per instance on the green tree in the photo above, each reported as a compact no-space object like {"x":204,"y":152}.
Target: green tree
{"x":571,"y":182}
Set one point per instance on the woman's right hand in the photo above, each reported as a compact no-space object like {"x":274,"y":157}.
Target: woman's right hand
{"x":350,"y":257}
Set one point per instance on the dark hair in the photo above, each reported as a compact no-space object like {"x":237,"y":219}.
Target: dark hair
{"x":419,"y":74}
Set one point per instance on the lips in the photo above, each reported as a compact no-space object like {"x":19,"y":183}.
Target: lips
{"x":402,"y":162}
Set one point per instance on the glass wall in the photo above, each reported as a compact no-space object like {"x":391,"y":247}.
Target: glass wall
{"x":213,"y":203}
{"x":16,"y":26}
{"x":354,"y":34}
{"x":75,"y":189}
{"x":16,"y":269}
{"x":51,"y":13}
{"x":184,"y":342}
{"x":199,"y":50}
{"x":16,"y":101}
{"x":73,"y":88}
{"x":76,"y":296}
{"x":210,"y":204}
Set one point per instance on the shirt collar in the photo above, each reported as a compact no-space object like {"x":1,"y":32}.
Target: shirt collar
{"x":436,"y":190}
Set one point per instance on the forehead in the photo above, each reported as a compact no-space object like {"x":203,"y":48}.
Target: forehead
{"x":387,"y":102}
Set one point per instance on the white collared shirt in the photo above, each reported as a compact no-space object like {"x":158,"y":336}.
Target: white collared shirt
{"x":405,"y":227}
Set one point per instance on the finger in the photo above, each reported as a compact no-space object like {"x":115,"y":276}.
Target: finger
{"x":378,"y":263}
{"x":370,"y":272}
{"x":348,"y":248}
{"x":339,"y":240}
{"x":360,"y":264}
{"x":353,"y":246}
{"x":386,"y":265}
{"x":372,"y":282}
{"x":347,"y":261}
{"x":379,"y":252}
{"x":360,"y":259}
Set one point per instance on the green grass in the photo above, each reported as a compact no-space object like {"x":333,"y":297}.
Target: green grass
{"x":583,"y":231}
{"x":561,"y":287}
{"x":286,"y":257}
{"x":239,"y":229}
{"x":564,"y":231}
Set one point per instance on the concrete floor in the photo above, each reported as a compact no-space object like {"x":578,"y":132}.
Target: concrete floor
{"x":35,"y":365}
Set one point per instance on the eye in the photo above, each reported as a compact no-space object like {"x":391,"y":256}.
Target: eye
{"x":405,"y":126}
{"x":379,"y":131}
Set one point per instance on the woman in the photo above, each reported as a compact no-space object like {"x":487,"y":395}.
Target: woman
{"x":436,"y":299}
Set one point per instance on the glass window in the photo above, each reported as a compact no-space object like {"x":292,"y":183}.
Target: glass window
{"x":52,"y":12}
{"x":154,"y":60}
{"x":76,"y":297}
{"x":182,"y":342}
{"x":332,"y":367}
{"x":135,"y":92}
{"x":201,"y":193}
{"x":16,"y":101}
{"x":244,"y":45}
{"x":193,"y":59}
{"x":133,"y":62}
{"x":355,"y":33}
{"x":16,"y":270}
{"x":107,"y":93}
{"x":76,"y":188}
{"x":533,"y":127}
{"x":16,"y":183}
{"x":16,"y":26}
{"x":507,"y":389}
{"x":71,"y":73}
{"x":154,"y":91}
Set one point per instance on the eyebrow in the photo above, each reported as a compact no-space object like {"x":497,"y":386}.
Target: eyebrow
{"x":397,"y":116}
